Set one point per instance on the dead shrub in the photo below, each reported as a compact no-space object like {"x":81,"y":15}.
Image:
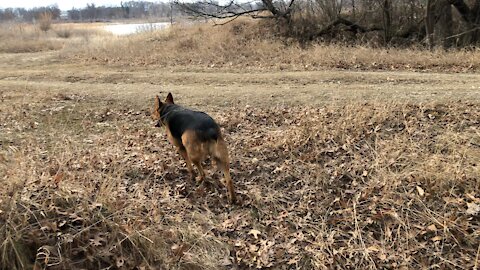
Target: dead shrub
{"x":45,"y":21}
{"x":63,"y":32}
{"x":188,"y":44}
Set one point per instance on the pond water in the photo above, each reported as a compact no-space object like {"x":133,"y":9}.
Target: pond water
{"x":133,"y":28}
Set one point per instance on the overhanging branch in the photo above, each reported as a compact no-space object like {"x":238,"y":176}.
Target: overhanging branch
{"x":212,"y":10}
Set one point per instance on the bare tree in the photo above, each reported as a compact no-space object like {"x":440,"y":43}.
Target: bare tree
{"x":429,"y":23}
{"x":387,"y":20}
{"x":444,"y":24}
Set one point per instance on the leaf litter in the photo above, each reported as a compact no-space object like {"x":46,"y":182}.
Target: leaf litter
{"x":359,"y":185}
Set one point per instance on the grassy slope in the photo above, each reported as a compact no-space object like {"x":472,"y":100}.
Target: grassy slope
{"x":333,"y":168}
{"x":243,"y":45}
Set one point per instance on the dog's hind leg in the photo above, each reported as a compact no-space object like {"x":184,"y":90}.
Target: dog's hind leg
{"x":220,"y":154}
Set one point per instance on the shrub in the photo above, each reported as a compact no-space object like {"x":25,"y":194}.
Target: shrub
{"x":63,"y":33}
{"x":45,"y":21}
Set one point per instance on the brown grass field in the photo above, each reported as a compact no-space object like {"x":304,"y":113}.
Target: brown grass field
{"x":337,"y":166}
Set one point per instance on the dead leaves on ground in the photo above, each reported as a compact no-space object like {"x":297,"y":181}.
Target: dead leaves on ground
{"x":359,"y":185}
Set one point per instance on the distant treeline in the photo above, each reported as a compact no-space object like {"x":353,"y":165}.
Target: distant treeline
{"x":28,"y":15}
{"x":126,"y":10}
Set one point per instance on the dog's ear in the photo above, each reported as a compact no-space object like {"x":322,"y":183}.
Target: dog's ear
{"x":169,"y":98}
{"x":158,"y":103}
{"x":156,"y":110}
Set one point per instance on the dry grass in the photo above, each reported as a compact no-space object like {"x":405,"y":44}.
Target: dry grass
{"x":334,"y":169}
{"x":243,"y":44}
{"x":27,"y":38}
{"x":89,"y":183}
{"x":246,"y":45}
{"x":22,"y":38}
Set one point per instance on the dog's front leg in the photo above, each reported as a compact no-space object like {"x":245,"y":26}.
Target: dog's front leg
{"x":185,"y":156}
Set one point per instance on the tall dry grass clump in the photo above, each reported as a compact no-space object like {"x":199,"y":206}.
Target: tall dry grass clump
{"x":249,"y":44}
{"x":45,"y":21}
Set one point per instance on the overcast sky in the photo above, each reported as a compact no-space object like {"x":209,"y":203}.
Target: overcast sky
{"x":62,"y":4}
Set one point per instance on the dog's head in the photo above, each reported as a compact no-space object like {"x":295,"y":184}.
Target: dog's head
{"x":158,"y":108}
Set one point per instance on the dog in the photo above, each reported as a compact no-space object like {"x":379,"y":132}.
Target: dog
{"x":196,"y":136}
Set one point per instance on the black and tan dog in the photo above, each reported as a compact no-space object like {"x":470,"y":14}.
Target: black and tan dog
{"x":196,"y":136}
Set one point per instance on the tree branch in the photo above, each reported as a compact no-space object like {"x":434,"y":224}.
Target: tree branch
{"x":212,"y":10}
{"x":221,"y":12}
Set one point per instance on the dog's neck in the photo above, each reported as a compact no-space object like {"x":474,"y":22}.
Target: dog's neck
{"x":167,"y":109}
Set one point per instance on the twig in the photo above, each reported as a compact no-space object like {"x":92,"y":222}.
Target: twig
{"x":359,"y":233}
{"x":477,"y":258}
{"x":463,"y":33}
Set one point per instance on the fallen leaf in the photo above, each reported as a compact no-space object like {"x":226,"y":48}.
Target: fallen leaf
{"x":420,"y":191}
{"x":98,"y":240}
{"x":253,"y":248}
{"x":473,"y":208}
{"x":278,"y":169}
{"x":226,"y":261}
{"x":373,"y":249}
{"x":453,"y":200}
{"x":58,"y":178}
{"x":432,"y":228}
{"x":178,"y":250}
{"x":255,"y":233}
{"x":120,"y":261}
{"x":294,"y":260}
{"x":382,"y":256}
{"x":472,"y":197}
{"x":436,"y":238}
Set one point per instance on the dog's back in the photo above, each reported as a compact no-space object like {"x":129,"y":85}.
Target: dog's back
{"x":179,"y":120}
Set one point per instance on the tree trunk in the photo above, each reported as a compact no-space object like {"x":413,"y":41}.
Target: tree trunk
{"x":476,"y":14}
{"x":443,"y":11}
{"x":463,"y":9}
{"x":387,"y":20}
{"x":471,"y":16}
{"x":429,"y":23}
{"x":269,"y":5}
